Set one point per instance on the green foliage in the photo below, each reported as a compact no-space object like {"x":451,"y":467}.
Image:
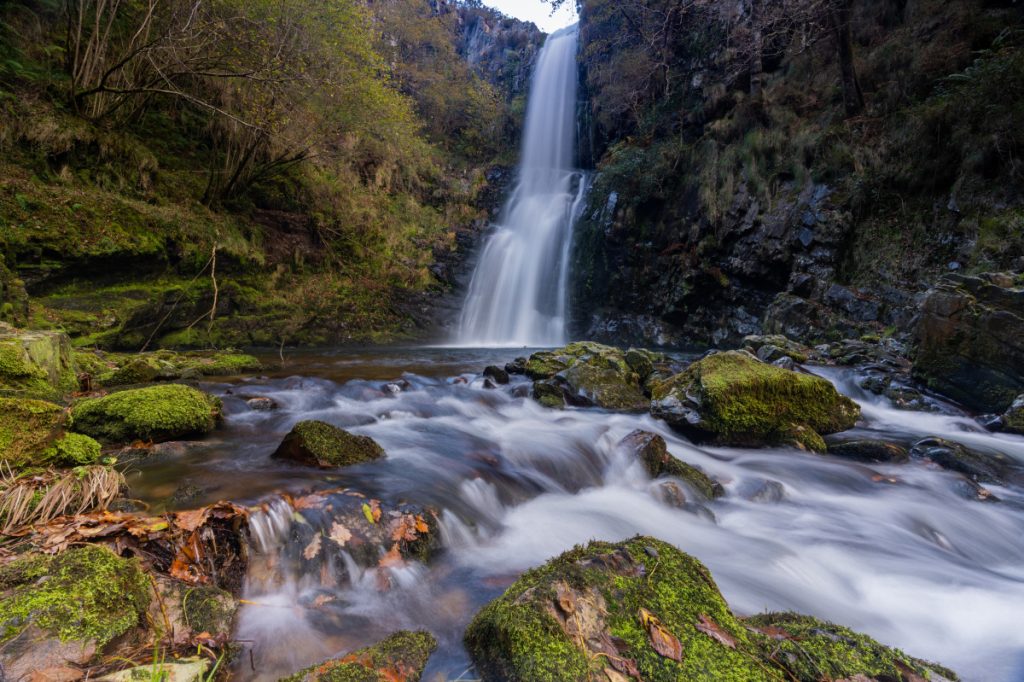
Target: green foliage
{"x":84,"y":594}
{"x":154,"y":413}
{"x":72,"y":450}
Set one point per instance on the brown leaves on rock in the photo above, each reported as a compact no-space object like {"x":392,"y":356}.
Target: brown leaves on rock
{"x":312,"y":549}
{"x":662,"y":640}
{"x":715,"y":631}
{"x":340,"y":534}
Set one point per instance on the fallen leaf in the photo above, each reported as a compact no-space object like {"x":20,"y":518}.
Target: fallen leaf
{"x":340,"y":534}
{"x":312,"y":549}
{"x":422,"y":526}
{"x":774,"y":632}
{"x":404,"y":528}
{"x":368,"y":513}
{"x":190,"y":520}
{"x":566,"y":599}
{"x":662,"y":641}
{"x":615,"y":676}
{"x":713,"y":630}
{"x":392,"y":559}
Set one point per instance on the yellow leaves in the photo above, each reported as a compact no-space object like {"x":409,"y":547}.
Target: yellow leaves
{"x":662,"y":641}
{"x":371,"y":511}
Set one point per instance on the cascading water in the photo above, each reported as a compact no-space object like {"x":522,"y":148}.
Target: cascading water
{"x":518,"y":293}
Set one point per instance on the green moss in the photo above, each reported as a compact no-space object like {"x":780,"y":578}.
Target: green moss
{"x":136,"y":371}
{"x":402,"y":656}
{"x":153,"y":413}
{"x":653,"y":452}
{"x":84,"y":594}
{"x":810,"y":650}
{"x":73,"y":449}
{"x":323,"y":444}
{"x":208,"y":609}
{"x":598,"y":374}
{"x":27,"y":427}
{"x":742,"y":401}
{"x":524,"y":634}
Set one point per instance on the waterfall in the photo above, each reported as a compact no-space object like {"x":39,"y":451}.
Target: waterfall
{"x":518,"y":294}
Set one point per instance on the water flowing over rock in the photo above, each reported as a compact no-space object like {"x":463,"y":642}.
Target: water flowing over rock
{"x":518,"y":294}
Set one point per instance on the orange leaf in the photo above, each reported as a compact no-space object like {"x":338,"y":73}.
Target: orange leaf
{"x":662,"y":641}
{"x":190,"y":520}
{"x":312,"y":549}
{"x":715,"y":631}
{"x":421,"y":525}
{"x":392,"y":559}
{"x":340,"y":534}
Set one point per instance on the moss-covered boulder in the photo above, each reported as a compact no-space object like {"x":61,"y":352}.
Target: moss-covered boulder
{"x":85,"y":594}
{"x":642,"y":609}
{"x":125,"y":369}
{"x":317,"y":443}
{"x":155,"y":413}
{"x":652,"y":451}
{"x":36,"y":364}
{"x":1013,"y":418}
{"x":399,"y":658}
{"x":586,"y":373}
{"x":809,"y":650}
{"x":27,"y":429}
{"x":72,"y":450}
{"x":733,"y":398}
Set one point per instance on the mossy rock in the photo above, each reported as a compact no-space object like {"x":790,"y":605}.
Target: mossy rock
{"x":27,"y":429}
{"x":206,"y":608}
{"x":642,"y":609}
{"x":810,"y":650}
{"x":869,"y":450}
{"x":399,"y":658}
{"x":1013,"y":419}
{"x":124,"y":369}
{"x":72,"y":450}
{"x":587,"y":373}
{"x":139,"y":370}
{"x":321,"y":444}
{"x":652,"y":451}
{"x":86,"y":594}
{"x":155,"y":413}
{"x":733,"y":398}
{"x":36,"y":364}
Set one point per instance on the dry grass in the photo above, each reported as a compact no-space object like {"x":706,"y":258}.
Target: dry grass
{"x":39,"y":498}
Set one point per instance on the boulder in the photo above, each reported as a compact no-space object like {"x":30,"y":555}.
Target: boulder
{"x":642,"y":609}
{"x":399,"y":658}
{"x":155,"y":413}
{"x":496,"y":374}
{"x":193,"y":669}
{"x":27,"y":429}
{"x":733,"y":398}
{"x":72,"y":450}
{"x":1013,"y":418}
{"x":970,"y":340}
{"x":587,"y":373}
{"x":36,"y":364}
{"x":869,"y":450}
{"x":321,"y":444}
{"x":987,"y":467}
{"x":65,"y":608}
{"x":652,"y":451}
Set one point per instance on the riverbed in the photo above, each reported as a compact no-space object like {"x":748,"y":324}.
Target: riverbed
{"x":904,"y":552}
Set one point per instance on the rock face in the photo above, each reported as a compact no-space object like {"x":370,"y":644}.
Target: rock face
{"x":156,"y":413}
{"x":592,"y":374}
{"x":321,"y":444}
{"x":970,"y":340}
{"x":650,"y":448}
{"x":641,"y":609}
{"x":399,"y":658}
{"x":36,"y":364}
{"x":733,"y":398}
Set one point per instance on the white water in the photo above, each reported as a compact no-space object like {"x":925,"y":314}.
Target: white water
{"x":898,"y":551}
{"x":518,"y":293}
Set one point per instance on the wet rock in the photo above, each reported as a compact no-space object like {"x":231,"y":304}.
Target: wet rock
{"x":869,"y":450}
{"x":764,"y":491}
{"x":650,"y":448}
{"x":155,"y":413}
{"x":321,"y":444}
{"x":732,"y":398}
{"x":396,"y":387}
{"x":399,"y":658}
{"x":1013,"y":419}
{"x":642,"y":609}
{"x":972,"y":490}
{"x":785,"y":362}
{"x":770,"y":348}
{"x":970,"y":340}
{"x":589,"y":373}
{"x":496,"y":374}
{"x":261,"y":403}
{"x":63,"y":609}
{"x":36,"y":364}
{"x":988,"y":467}
{"x":517,"y":366}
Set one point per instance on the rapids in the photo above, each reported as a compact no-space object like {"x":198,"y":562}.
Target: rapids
{"x":901,"y":552}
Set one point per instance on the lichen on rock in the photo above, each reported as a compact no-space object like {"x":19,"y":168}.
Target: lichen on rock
{"x":399,"y":658}
{"x":155,"y":413}
{"x":321,"y":444}
{"x":733,"y":398}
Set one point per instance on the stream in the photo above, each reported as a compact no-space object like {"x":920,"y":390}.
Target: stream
{"x":902,"y":552}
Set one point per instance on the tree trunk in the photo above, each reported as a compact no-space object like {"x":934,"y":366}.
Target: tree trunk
{"x":853,"y":98}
